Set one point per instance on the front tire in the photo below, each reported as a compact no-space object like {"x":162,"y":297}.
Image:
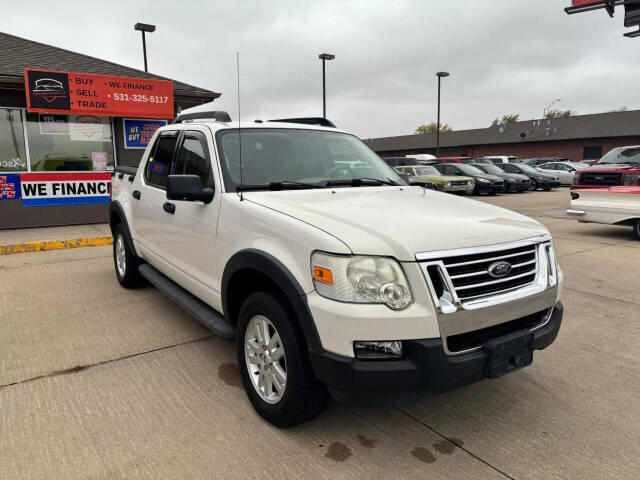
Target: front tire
{"x":535,"y":185}
{"x":636,"y":229}
{"x":125,"y":261}
{"x":274,"y":364}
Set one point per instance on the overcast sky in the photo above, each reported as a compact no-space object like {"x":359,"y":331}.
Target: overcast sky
{"x":503,"y":55}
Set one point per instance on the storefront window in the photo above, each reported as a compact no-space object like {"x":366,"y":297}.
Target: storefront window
{"x":13,"y":157}
{"x":69,"y":143}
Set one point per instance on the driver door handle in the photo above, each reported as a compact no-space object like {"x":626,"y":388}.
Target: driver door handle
{"x":169,"y":207}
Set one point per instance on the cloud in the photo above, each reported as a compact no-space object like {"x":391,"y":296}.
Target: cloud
{"x":504,"y":56}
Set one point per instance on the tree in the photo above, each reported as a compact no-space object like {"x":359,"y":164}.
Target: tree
{"x":508,"y":118}
{"x":433,"y":128}
{"x":558,"y":113}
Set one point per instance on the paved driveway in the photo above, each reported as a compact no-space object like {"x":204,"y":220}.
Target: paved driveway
{"x":100,"y":382}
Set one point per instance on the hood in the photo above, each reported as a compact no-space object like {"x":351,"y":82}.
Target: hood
{"x":512,"y":176}
{"x":400,"y":221}
{"x":443,"y":178}
{"x":489,"y":176}
{"x":610,"y":166}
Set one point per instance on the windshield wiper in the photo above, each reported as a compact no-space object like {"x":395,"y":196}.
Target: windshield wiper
{"x":356,"y":182}
{"x":275,"y":186}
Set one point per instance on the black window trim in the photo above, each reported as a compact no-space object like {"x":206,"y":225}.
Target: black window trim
{"x":163,"y":134}
{"x":200,"y":137}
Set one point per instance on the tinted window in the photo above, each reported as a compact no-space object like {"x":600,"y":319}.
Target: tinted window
{"x":159,"y":162}
{"x":193,"y":158}
{"x":511,"y":168}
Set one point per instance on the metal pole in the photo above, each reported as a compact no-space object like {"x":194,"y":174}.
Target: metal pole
{"x":438,"y":123}
{"x":144,"y":51}
{"x":324,"y":93}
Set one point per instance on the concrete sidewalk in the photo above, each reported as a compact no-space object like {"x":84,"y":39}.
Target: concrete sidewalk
{"x":54,"y":238}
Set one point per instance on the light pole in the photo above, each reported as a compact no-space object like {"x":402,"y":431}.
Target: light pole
{"x":324,"y":57}
{"x":544,"y":112}
{"x":439,"y":75}
{"x":144,"y":27}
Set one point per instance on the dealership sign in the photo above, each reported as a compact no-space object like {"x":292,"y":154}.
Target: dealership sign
{"x":9,"y":187}
{"x":46,"y":189}
{"x":104,"y":95}
{"x":138,"y":133}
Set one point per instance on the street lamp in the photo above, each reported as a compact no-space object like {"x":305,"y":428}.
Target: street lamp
{"x":144,"y":27}
{"x":544,"y":112}
{"x":439,"y":75}
{"x":324,"y":57}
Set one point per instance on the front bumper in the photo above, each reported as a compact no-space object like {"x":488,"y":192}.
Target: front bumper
{"x":489,"y":187}
{"x":425,"y":369}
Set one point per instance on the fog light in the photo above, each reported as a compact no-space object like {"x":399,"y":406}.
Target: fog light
{"x":384,"y":350}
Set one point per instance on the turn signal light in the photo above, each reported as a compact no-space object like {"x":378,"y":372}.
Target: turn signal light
{"x":322,"y":274}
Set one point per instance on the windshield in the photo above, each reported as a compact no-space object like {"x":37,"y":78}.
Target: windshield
{"x":469,"y":169}
{"x":292,"y":157}
{"x":426,"y":171}
{"x":491,"y":168}
{"x":626,"y":155}
{"x":527,"y":168}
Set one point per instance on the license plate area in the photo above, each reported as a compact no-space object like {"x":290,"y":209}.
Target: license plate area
{"x":508,"y":353}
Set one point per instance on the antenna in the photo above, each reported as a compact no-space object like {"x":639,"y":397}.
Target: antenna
{"x":239,"y":135}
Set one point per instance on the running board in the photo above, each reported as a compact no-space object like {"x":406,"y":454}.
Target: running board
{"x":202,"y":312}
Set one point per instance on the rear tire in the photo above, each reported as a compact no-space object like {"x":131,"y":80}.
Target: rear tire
{"x":264,"y":358}
{"x":125,"y":261}
{"x":636,"y":229}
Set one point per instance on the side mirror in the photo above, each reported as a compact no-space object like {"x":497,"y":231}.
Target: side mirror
{"x":189,"y":188}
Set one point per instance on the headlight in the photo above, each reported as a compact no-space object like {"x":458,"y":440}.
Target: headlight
{"x":483,"y":180}
{"x":631,"y":179}
{"x":360,"y":279}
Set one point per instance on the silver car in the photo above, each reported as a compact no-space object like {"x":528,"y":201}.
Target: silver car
{"x":565,"y":171}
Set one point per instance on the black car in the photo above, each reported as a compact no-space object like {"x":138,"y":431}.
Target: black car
{"x":485,"y":183}
{"x":539,"y":179}
{"x":513,"y":182}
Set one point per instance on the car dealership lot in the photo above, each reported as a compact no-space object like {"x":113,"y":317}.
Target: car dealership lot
{"x":101,"y":382}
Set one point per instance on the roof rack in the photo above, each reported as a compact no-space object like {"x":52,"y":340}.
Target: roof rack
{"x":321,"y":121}
{"x":215,"y":115}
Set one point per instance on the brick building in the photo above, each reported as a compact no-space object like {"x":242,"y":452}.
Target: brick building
{"x":581,"y":137}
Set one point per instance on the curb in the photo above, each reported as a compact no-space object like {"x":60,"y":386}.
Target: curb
{"x":44,"y":245}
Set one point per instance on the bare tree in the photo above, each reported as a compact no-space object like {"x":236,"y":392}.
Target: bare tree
{"x":432,"y":128}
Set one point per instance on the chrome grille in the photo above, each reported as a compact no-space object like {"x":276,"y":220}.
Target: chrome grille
{"x":593,"y":178}
{"x":459,"y":183}
{"x":470,"y":276}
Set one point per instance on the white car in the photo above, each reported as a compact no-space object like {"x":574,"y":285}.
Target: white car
{"x":502,"y":159}
{"x":565,"y":171}
{"x":334,"y":279}
{"x":612,"y":205}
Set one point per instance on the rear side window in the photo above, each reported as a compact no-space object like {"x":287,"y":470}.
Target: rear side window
{"x":193,"y":158}
{"x":159,"y":162}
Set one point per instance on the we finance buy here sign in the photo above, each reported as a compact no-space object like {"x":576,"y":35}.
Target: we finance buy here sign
{"x":47,"y":189}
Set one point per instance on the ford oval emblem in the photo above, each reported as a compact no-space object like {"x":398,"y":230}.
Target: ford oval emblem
{"x":499,"y":269}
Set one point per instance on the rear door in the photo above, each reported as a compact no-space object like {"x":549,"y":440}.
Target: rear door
{"x":147,"y":202}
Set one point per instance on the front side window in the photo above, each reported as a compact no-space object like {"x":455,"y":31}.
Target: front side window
{"x":193,"y":158}
{"x":315,"y":158}
{"x":159,"y":161}
{"x":63,"y":143}
{"x":426,"y":171}
{"x":13,"y":157}
{"x":469,"y":170}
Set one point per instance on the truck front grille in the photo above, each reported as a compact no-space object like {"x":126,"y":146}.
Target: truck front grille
{"x":470,"y":277}
{"x":459,"y":183}
{"x":594,"y":178}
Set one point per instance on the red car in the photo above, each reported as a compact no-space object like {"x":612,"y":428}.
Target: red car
{"x":620,"y":166}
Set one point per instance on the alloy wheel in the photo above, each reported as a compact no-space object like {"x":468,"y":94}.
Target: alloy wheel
{"x":121,"y":257}
{"x":265,"y":359}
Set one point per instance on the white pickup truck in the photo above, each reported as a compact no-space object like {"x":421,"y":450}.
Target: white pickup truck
{"x":334,"y":275}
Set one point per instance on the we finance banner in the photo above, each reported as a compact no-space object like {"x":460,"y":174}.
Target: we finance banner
{"x":48,"y":189}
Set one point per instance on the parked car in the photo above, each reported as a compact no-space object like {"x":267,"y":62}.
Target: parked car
{"x":333,"y":283}
{"x":442,"y":182}
{"x":612,"y":205}
{"x":620,"y":166}
{"x":454,"y":160}
{"x":484,"y":183}
{"x":422,"y":156}
{"x":534,"y":162}
{"x":502,"y":159}
{"x":539,"y":179}
{"x":565,"y":171}
{"x":514,"y":182}
{"x":481,"y":160}
{"x":402,"y":161}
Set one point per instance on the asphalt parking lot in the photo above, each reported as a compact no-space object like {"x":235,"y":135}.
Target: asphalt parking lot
{"x":101,"y":382}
